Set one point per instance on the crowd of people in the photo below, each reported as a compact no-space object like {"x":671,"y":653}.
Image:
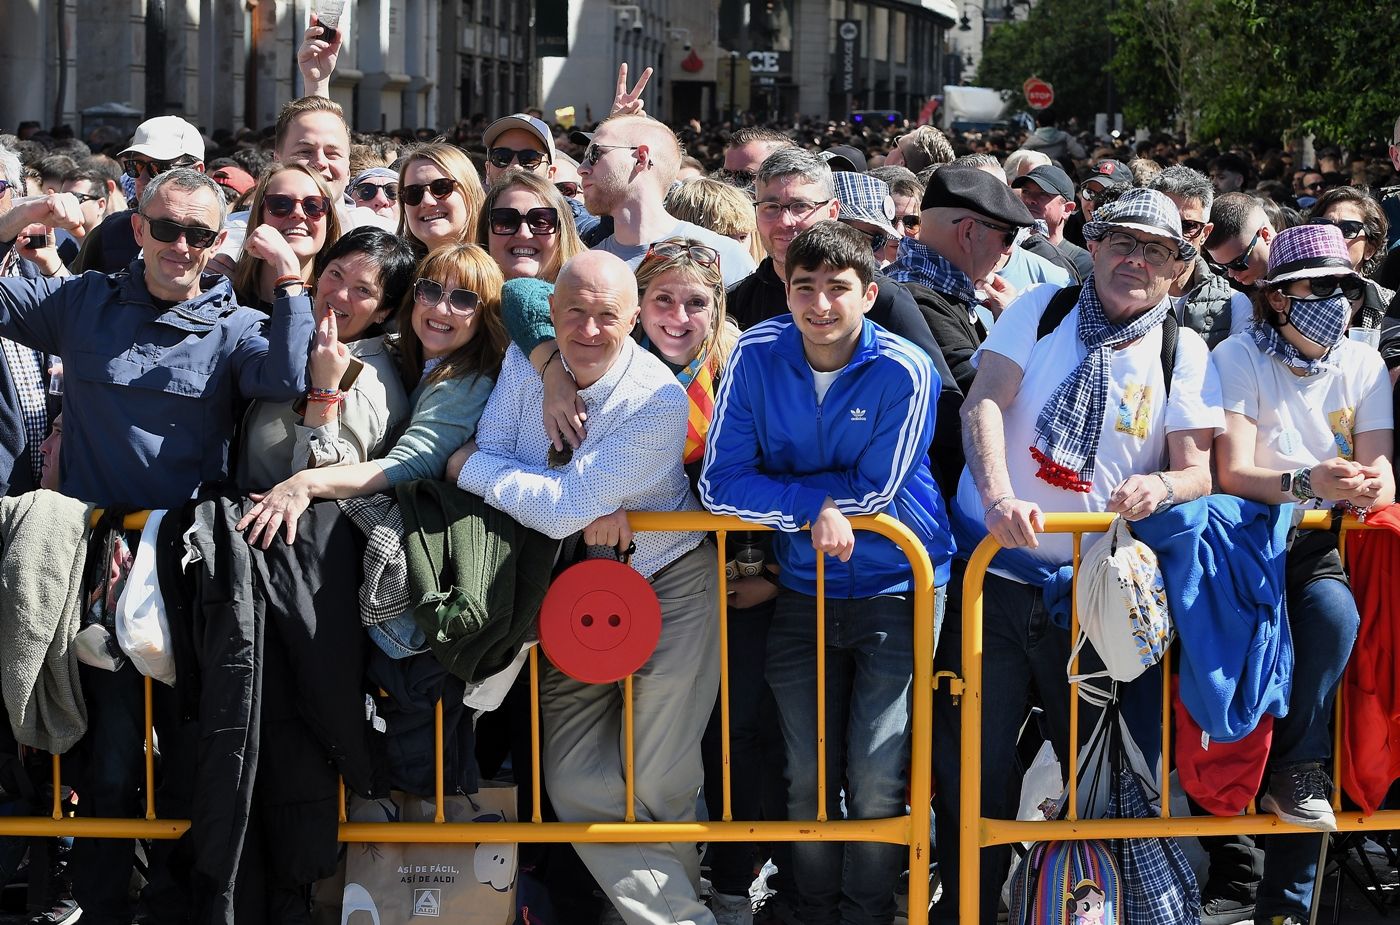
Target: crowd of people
{"x":406,"y":378}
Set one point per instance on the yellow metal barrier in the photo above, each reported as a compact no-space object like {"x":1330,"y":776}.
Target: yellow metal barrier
{"x":977,"y":831}
{"x":911,"y":830}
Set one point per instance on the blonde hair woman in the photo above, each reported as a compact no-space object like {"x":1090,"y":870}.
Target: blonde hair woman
{"x":719,"y":207}
{"x":440,"y":196}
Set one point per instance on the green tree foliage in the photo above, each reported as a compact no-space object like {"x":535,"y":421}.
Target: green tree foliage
{"x":1065,"y":42}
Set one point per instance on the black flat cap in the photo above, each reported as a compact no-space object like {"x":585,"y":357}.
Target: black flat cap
{"x":977,"y":191}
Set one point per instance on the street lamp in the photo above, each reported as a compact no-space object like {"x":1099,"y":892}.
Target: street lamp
{"x":734,"y":57}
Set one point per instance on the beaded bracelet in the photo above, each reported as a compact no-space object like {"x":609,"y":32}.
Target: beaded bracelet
{"x":325,"y":396}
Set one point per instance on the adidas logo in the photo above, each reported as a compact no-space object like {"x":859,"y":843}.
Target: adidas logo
{"x":857,"y":414}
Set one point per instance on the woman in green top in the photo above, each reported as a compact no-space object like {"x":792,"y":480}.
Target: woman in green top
{"x":450,"y":346}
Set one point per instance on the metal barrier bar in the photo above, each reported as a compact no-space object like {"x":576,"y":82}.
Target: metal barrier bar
{"x":727,"y":810}
{"x":911,"y":830}
{"x":977,"y":831}
{"x":821,"y":688}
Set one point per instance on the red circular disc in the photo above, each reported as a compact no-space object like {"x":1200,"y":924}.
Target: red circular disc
{"x":600,"y":621}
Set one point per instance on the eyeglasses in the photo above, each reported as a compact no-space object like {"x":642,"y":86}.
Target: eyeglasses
{"x":366,"y":191}
{"x":134,"y":168}
{"x":168,"y":232}
{"x":1125,"y":245}
{"x":1240,"y":263}
{"x":594,"y":151}
{"x":772,"y":210}
{"x":702,"y":254}
{"x":910,"y":221}
{"x":280,"y":206}
{"x":461,"y":302}
{"x":570,"y":190}
{"x":1349,"y":227}
{"x":1190,"y":228}
{"x":527,"y":158}
{"x":1324,"y":287}
{"x":1008,"y":235}
{"x":441,"y":188}
{"x":541,"y":220}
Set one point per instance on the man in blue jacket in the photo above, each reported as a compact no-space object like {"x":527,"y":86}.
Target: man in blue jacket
{"x":822,"y":416}
{"x":156,"y":362}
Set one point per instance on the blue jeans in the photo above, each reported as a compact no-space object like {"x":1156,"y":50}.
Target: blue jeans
{"x":1324,"y":621}
{"x":1022,"y":650}
{"x":869,"y":673}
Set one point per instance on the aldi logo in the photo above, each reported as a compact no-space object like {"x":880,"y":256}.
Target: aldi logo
{"x":427,"y":903}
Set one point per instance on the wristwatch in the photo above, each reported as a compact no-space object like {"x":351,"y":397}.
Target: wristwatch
{"x":1298,"y":483}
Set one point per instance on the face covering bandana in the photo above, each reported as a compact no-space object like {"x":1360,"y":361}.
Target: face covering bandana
{"x":1322,"y":321}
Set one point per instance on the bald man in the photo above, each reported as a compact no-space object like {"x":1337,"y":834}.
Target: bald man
{"x":627,"y":167}
{"x":630,"y":460}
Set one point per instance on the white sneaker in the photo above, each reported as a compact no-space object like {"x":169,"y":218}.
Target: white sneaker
{"x":731,"y":910}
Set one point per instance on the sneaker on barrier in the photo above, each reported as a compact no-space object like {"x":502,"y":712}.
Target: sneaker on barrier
{"x":1301,"y":795}
{"x":731,"y":910}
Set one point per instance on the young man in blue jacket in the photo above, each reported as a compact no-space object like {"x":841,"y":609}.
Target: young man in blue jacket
{"x":823,"y":415}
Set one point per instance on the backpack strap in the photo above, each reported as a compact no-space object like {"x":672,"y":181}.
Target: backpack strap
{"x":1063,"y":302}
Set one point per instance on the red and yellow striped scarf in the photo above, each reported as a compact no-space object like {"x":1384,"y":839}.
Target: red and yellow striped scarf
{"x":698,"y":380}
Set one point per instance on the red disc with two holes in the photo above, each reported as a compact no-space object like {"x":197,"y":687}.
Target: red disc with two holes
{"x":600,"y":621}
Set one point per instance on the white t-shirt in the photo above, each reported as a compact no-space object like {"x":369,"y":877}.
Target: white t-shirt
{"x":735,"y":263}
{"x":823,"y":381}
{"x":1133,"y":440}
{"x":1304,"y":420}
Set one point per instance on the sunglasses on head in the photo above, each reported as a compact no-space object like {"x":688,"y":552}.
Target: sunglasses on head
{"x":441,"y":188}
{"x":280,"y":206}
{"x":542,"y":220}
{"x":570,"y":190}
{"x":366,"y":191}
{"x":168,"y":232}
{"x":1323,"y":287}
{"x":528,"y":158}
{"x":669,"y":250}
{"x":1349,"y":227}
{"x":134,"y":168}
{"x":460,"y":301}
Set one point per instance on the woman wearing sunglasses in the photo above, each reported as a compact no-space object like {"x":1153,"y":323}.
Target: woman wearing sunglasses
{"x":291,"y":222}
{"x":1308,"y":420}
{"x":440,"y":194}
{"x":1363,"y":226}
{"x":450,"y":344}
{"x":357,"y":399}
{"x":527,"y":227}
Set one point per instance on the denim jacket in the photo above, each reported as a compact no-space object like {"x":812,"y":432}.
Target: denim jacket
{"x":151,"y":393}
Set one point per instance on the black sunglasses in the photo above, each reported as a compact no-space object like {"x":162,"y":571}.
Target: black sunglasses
{"x":594,"y":151}
{"x":909,"y":221}
{"x":133,"y":168}
{"x":441,"y":188}
{"x":1349,"y":227}
{"x":1190,"y":227}
{"x":1008,"y":235}
{"x":280,"y":206}
{"x":702,"y":254}
{"x":527,"y":158}
{"x":81,"y":197}
{"x":1322,"y":287}
{"x":168,"y":232}
{"x":570,"y":190}
{"x":1240,"y":263}
{"x":461,"y":301}
{"x":542,"y":220}
{"x":366,"y":191}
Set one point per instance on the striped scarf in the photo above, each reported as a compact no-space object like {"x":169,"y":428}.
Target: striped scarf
{"x":1067,"y":430}
{"x":698,"y":380}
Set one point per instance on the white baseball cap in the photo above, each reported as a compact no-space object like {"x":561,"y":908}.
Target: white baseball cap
{"x":166,"y":138}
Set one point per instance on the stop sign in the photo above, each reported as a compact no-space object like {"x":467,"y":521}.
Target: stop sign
{"x":1039,"y":94}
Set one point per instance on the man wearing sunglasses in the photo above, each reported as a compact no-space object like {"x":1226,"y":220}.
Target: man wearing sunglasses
{"x":1057,"y":368}
{"x":160,"y":144}
{"x":1204,"y":300}
{"x":157,"y":363}
{"x":627,"y":168}
{"x":1238,"y":244}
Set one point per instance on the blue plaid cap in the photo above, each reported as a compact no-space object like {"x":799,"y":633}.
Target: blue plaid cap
{"x":1141,"y":210}
{"x":863,"y":198}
